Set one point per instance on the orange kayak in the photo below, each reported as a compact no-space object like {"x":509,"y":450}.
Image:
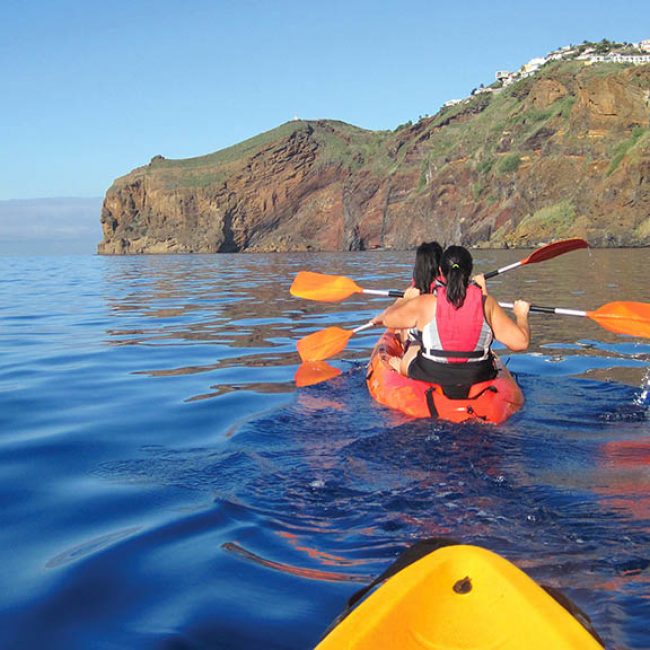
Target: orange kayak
{"x":488,"y":401}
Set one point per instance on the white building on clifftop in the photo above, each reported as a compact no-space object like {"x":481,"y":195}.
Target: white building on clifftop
{"x":635,"y":59}
{"x":533,"y":65}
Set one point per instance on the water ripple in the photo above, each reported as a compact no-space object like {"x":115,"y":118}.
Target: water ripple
{"x":164,"y":484}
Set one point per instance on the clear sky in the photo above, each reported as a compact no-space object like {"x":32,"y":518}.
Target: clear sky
{"x":90,"y":90}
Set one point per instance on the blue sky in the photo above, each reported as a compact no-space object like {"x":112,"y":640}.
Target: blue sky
{"x":91,"y":90}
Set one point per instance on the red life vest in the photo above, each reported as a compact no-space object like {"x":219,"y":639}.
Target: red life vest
{"x":460,"y":335}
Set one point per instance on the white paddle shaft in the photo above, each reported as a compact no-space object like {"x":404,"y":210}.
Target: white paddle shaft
{"x":548,"y":310}
{"x":364,"y":327}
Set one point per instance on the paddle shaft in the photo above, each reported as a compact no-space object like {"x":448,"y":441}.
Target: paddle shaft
{"x":367,"y":326}
{"x":542,"y":254}
{"x":332,"y":288}
{"x":391,"y":293}
{"x":548,"y":310}
{"x":506,"y":305}
{"x":503,"y":269}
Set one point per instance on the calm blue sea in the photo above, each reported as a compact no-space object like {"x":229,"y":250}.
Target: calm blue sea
{"x":163,"y":484}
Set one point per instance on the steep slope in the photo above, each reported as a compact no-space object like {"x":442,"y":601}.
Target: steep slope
{"x":565,"y":152}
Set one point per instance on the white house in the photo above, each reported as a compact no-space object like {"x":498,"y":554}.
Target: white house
{"x":481,"y":91}
{"x":505,"y":77}
{"x":533,"y":64}
{"x":636,"y":59}
{"x":645,"y":45}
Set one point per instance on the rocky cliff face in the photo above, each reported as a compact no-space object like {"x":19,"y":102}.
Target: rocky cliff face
{"x":564,"y":153}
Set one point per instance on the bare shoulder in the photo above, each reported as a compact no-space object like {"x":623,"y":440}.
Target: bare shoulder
{"x":428,"y":298}
{"x":426,"y":302}
{"x":426,"y":309}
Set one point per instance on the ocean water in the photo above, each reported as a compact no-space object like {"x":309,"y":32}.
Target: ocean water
{"x":163,"y":484}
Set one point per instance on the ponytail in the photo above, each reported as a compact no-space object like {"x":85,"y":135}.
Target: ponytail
{"x":456,"y":265}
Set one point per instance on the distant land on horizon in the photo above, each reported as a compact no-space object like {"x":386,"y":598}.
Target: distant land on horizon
{"x":49,"y":226}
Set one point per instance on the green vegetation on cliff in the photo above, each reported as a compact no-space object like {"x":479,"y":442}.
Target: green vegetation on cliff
{"x":553,"y":154}
{"x":624,"y":147}
{"x":552,"y":222}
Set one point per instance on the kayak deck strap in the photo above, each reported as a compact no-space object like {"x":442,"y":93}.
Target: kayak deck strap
{"x":460,"y":393}
{"x":431,"y":403}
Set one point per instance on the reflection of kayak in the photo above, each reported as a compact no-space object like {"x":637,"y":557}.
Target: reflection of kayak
{"x":459,"y":597}
{"x":491,"y":401}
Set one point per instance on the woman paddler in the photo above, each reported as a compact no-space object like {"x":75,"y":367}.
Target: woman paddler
{"x":425,"y":271}
{"x":458,"y":321}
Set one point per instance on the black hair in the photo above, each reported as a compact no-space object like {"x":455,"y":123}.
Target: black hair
{"x":456,"y":265}
{"x":427,"y":261}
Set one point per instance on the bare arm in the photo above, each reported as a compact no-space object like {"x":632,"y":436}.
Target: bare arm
{"x":513,"y":334}
{"x":407,"y":313}
{"x":409,"y":294}
{"x":482,"y":282}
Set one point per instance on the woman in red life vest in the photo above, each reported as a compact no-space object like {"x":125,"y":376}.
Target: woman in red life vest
{"x":458,"y":323}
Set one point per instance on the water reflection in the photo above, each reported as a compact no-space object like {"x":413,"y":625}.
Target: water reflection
{"x":241,"y":302}
{"x":624,"y":476}
{"x":150,"y":417}
{"x":311,"y":574}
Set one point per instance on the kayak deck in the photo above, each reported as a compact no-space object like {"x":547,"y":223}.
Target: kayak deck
{"x":460,"y":597}
{"x":489,"y":401}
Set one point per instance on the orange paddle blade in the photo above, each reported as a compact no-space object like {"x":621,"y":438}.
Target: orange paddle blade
{"x":314,"y":372}
{"x":325,"y":288}
{"x":631,"y":318}
{"x":553,"y":250}
{"x":323,"y":344}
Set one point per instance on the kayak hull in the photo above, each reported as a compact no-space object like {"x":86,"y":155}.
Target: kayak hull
{"x":459,"y":597}
{"x":491,"y":401}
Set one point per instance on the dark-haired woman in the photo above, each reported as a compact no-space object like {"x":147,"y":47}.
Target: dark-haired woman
{"x":458,"y":323}
{"x":426,"y":265}
{"x":425,"y":271}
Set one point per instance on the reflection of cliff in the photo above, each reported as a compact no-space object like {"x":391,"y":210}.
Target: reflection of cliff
{"x":563,"y":153}
{"x":626,"y":477}
{"x":210,"y":308}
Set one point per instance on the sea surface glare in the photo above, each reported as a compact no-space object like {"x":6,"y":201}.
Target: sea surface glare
{"x":163,"y":483}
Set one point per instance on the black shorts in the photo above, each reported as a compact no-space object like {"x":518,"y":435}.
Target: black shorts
{"x":455,"y":378}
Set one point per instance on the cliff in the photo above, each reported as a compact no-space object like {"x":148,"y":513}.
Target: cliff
{"x":563,"y":153}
